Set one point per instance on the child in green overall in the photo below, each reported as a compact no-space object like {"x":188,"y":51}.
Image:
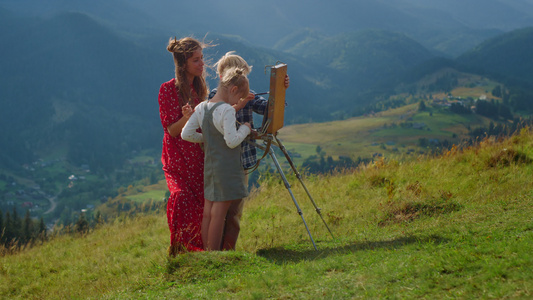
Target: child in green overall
{"x":224,"y":178}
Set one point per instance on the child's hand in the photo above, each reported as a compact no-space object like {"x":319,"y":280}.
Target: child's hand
{"x":250,"y":96}
{"x":243,"y":101}
{"x":254,"y":134}
{"x":187,"y":111}
{"x":287,"y":81}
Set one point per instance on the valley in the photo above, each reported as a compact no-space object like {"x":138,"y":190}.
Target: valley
{"x":395,"y":132}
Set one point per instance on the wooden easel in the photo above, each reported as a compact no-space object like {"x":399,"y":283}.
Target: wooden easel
{"x":272,"y":122}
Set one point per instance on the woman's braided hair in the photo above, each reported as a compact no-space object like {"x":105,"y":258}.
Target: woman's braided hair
{"x":182,"y":50}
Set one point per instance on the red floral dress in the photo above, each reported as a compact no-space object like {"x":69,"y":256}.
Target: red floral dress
{"x":183,"y":163}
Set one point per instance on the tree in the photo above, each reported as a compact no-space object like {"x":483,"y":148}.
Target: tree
{"x":27,"y":231}
{"x":8,"y":230}
{"x":459,"y":109}
{"x":505,"y":112}
{"x":1,"y":226}
{"x":65,"y":216}
{"x":17,"y":224}
{"x":153,"y":178}
{"x":98,"y":220}
{"x":423,"y":142}
{"x":497,"y":91}
{"x":421,"y":105}
{"x":330,"y":163}
{"x":318,"y":150}
{"x":42,"y":230}
{"x":487,"y":109}
{"x":82,"y":225}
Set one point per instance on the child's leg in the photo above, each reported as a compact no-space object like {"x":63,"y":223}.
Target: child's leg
{"x":233,"y":227}
{"x":218,"y":212}
{"x":205,"y":221}
{"x":233,"y":222}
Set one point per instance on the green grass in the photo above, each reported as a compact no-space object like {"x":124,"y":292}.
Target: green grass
{"x":455,"y":226}
{"x":147,"y":196}
{"x":350,"y":137}
{"x":143,"y":194}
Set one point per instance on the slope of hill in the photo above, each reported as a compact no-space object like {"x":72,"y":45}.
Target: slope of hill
{"x":508,"y":56}
{"x":349,"y":51}
{"x":399,"y":132}
{"x":456,"y":226}
{"x":357,"y":62}
{"x":77,"y":79}
{"x":508,"y":59}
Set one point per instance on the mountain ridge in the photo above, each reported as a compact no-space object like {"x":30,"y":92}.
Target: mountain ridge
{"x":450,"y":28}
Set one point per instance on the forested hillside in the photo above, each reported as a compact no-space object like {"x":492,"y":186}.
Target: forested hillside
{"x":507,"y":58}
{"x":67,"y":81}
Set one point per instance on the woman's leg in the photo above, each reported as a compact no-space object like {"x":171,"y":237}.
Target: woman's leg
{"x":217,"y":216}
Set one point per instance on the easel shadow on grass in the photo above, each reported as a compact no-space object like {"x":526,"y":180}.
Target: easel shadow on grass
{"x":281,"y":255}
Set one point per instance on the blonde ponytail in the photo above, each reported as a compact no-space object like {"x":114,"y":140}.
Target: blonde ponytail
{"x":234,"y":76}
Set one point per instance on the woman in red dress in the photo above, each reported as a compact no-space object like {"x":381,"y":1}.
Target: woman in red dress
{"x":183,"y":162}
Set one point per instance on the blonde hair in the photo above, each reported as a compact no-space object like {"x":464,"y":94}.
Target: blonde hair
{"x":235,"y":76}
{"x":232,"y":60}
{"x":182,"y":50}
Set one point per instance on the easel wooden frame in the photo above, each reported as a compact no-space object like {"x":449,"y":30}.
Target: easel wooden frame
{"x":272,"y":122}
{"x":275,"y":113}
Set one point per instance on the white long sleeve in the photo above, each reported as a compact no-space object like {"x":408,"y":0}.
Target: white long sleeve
{"x":224,"y":121}
{"x":188,"y":132}
{"x":232,"y":136}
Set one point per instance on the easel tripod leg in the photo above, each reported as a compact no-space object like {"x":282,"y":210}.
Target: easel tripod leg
{"x":288,"y":186}
{"x":317,"y":209}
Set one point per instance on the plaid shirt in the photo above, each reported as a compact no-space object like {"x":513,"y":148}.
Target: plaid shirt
{"x":258,"y":105}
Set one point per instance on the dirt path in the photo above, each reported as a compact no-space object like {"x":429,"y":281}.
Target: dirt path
{"x":53,"y":204}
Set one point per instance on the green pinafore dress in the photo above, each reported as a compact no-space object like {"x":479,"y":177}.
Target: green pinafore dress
{"x":224,"y":177}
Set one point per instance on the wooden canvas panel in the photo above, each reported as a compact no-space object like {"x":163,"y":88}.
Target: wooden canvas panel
{"x":274,"y":117}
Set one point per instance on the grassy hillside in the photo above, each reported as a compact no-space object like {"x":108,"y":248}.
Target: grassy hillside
{"x":393,"y":132}
{"x":454,"y":226}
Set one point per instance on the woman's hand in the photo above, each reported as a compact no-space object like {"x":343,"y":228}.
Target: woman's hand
{"x":175,"y":128}
{"x":287,"y":81}
{"x":187,"y":111}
